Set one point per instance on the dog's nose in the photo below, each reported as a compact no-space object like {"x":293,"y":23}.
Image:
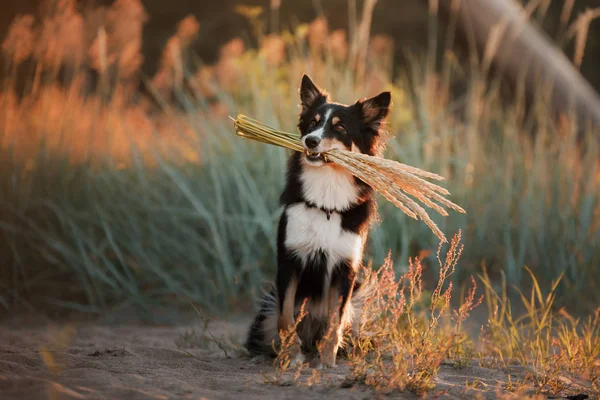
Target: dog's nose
{"x":312,"y":142}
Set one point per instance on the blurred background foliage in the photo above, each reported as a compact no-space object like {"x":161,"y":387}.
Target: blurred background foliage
{"x":406,"y":22}
{"x":123,"y":182}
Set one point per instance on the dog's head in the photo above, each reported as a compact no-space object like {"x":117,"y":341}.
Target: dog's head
{"x":325,"y":125}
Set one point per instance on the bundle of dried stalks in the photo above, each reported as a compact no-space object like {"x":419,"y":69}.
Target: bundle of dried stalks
{"x":393,"y":180}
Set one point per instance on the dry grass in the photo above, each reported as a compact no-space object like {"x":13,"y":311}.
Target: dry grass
{"x":558,"y":351}
{"x":388,"y":177}
{"x":407,"y":334}
{"x":402,"y":348}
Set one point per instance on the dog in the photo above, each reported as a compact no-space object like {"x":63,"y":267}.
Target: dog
{"x":326,"y":218}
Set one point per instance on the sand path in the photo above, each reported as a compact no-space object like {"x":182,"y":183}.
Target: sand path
{"x":135,"y":361}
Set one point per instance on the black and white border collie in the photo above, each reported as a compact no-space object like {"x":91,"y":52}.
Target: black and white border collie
{"x":327,"y":213}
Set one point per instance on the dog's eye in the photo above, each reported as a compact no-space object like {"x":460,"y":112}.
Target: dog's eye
{"x":313,"y":122}
{"x":340,"y":128}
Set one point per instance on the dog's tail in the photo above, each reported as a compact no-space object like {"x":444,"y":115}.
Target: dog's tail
{"x":264,"y":327}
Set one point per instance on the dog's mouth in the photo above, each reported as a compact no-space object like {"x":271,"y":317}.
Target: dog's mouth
{"x":314,"y":157}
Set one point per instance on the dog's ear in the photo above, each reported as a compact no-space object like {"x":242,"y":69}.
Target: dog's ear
{"x":375,"y":109}
{"x":310,"y":94}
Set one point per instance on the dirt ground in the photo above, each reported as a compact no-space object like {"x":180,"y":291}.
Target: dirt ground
{"x":130,"y":360}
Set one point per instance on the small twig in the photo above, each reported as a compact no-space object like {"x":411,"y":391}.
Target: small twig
{"x":206,"y":321}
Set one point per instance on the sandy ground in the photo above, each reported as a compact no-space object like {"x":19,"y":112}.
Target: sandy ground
{"x":92,"y":360}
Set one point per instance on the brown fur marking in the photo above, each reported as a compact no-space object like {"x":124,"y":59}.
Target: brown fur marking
{"x":286,"y":316}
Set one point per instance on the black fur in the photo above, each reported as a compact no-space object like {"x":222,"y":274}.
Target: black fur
{"x":343,"y":278}
{"x":292,"y":191}
{"x":311,"y":277}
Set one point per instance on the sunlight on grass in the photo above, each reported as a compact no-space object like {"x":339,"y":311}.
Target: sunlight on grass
{"x":111,"y":196}
{"x":406,"y":334}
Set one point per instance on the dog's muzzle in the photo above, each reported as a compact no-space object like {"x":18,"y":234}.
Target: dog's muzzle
{"x":311,"y":144}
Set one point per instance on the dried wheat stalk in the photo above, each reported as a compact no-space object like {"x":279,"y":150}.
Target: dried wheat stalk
{"x":393,"y":180}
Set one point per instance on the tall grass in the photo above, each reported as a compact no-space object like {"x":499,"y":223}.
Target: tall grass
{"x":405,"y":335}
{"x":109,"y":196}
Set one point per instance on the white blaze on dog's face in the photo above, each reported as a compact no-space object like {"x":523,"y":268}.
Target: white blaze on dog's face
{"x":326,"y":126}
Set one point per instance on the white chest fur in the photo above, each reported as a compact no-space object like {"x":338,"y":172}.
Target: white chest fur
{"x":308,"y":230}
{"x":329,"y":187}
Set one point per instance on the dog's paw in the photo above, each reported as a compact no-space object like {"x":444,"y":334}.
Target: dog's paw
{"x":298,"y":360}
{"x":317,"y":363}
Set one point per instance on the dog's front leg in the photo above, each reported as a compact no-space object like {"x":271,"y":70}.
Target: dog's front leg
{"x":286,"y":306}
{"x":288,"y":269}
{"x":338,"y":301}
{"x":287,"y":284}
